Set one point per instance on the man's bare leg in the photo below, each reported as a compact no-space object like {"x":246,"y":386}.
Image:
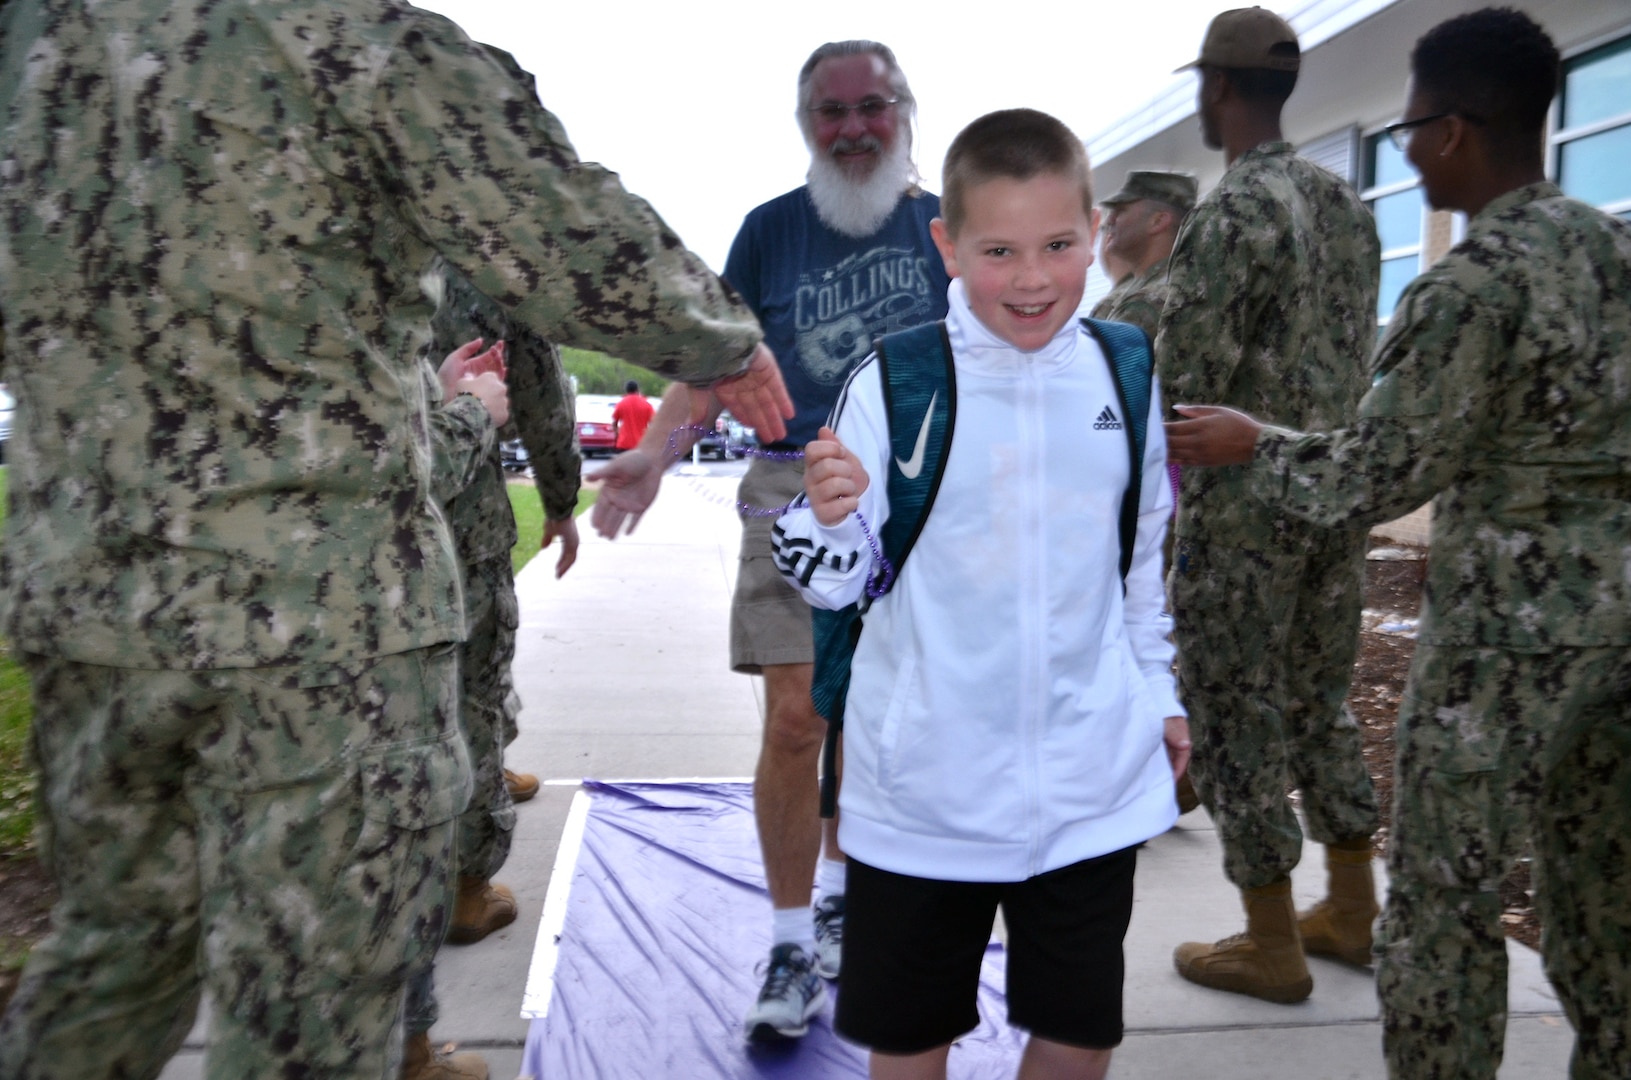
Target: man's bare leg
{"x":786,"y":789}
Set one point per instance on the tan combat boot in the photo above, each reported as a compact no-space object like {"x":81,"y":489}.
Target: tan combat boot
{"x":1340,"y":925}
{"x":1265,"y":962}
{"x":479,"y":908}
{"x":523,"y":786}
{"x":421,"y":1061}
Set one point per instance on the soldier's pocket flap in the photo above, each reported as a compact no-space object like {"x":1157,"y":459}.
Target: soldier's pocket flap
{"x":416,"y":786}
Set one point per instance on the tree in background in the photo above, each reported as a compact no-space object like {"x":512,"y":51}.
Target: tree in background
{"x":597,"y":373}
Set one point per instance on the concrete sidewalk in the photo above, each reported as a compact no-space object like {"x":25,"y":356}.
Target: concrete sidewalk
{"x":623,"y":673}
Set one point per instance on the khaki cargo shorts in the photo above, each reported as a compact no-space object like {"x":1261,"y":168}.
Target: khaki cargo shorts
{"x":770,"y":622}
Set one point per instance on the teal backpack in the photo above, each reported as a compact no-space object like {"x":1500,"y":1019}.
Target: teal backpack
{"x":920,"y":400}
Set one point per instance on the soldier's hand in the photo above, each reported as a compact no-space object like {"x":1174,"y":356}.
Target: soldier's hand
{"x":628,"y":484}
{"x":1178,"y":747}
{"x":833,"y":478}
{"x":758,"y":397}
{"x":565,"y":530}
{"x":495,"y":360}
{"x":1213,"y":435}
{"x":455,"y":366}
{"x":490,"y":390}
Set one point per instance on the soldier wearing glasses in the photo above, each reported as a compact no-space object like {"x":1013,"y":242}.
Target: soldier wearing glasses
{"x":1502,"y":392}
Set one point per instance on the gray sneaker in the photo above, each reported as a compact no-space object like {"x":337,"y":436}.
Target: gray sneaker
{"x":829,"y":934}
{"x":792,"y":994}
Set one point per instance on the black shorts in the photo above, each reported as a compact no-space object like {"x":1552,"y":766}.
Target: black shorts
{"x":913,"y":947}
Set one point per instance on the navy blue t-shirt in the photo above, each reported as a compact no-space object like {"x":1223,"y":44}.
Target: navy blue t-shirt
{"x":823,"y":297}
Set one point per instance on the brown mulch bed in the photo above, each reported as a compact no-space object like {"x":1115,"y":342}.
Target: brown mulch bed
{"x":1392,"y":595}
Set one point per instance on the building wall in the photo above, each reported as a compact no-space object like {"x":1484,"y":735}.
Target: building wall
{"x":1355,"y":78}
{"x":1352,"y":83}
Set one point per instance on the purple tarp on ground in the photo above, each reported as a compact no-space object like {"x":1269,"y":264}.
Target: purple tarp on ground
{"x":665,"y":923}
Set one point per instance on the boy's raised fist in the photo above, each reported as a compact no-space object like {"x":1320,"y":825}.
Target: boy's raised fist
{"x":833,"y":478}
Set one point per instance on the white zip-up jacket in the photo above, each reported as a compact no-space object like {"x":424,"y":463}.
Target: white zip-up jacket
{"x":1006,"y":703}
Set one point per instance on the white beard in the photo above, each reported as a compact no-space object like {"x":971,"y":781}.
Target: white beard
{"x":859,"y":207}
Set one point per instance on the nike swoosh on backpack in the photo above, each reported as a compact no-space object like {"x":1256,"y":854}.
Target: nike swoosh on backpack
{"x":911,"y":468}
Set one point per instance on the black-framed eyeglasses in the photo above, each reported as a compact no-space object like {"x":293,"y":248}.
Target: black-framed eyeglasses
{"x":870,"y":109}
{"x":1399,"y":133}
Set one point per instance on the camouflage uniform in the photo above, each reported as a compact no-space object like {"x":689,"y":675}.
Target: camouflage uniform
{"x":1503,"y":390}
{"x":223,"y":565}
{"x":484,"y":533}
{"x":1271,"y":309}
{"x":471,"y":487}
{"x":1137,"y":299}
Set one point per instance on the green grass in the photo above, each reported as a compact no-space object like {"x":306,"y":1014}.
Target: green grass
{"x":16,"y":776}
{"x":529,"y":521}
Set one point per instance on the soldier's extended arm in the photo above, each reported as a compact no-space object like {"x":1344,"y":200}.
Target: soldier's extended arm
{"x":490,"y":179}
{"x":1431,"y":398}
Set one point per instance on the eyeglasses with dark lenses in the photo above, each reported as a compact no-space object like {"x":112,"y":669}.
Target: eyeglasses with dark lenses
{"x":870,"y":109}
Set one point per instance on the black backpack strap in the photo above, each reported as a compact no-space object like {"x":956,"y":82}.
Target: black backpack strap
{"x":920,"y":402}
{"x":1132,"y":366}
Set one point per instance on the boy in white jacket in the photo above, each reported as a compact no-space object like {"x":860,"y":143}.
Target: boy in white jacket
{"x":1012,"y":731}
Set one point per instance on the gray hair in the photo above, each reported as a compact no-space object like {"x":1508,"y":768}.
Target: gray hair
{"x":859,"y":47}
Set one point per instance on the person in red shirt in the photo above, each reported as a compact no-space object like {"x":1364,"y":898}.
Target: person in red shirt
{"x":631,"y":416}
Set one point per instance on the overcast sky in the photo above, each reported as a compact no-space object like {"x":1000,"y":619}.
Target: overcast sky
{"x":692,"y":103}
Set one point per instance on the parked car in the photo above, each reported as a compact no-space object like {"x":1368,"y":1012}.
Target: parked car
{"x":596,"y":432}
{"x":512,"y":456}
{"x":730,"y":439}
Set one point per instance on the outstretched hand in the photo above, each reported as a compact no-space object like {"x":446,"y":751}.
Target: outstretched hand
{"x":833,"y":478}
{"x":1178,"y":745}
{"x":758,"y":397}
{"x":469,"y":361}
{"x":628,"y":484}
{"x":566,"y":530}
{"x":1213,"y":435}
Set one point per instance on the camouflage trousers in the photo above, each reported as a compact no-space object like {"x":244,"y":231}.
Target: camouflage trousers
{"x":488,"y":706}
{"x":280,"y":836}
{"x":1497,"y":750}
{"x":1266,"y":646}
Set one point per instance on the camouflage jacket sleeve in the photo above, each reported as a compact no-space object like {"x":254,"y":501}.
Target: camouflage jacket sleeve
{"x":541,"y":403}
{"x":542,"y":411}
{"x":1501,"y":392}
{"x":1219,"y":276}
{"x":488,"y":178}
{"x":462,"y":437}
{"x":1412,"y":431}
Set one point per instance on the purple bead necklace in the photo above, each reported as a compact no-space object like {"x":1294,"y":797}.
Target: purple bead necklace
{"x":876,"y":585}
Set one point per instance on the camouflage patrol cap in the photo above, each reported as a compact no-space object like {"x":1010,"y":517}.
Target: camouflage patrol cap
{"x":1173,"y":188}
{"x":1251,"y":37}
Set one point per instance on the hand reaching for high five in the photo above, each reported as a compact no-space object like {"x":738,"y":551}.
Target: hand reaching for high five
{"x":469,"y":370}
{"x":833,"y":478}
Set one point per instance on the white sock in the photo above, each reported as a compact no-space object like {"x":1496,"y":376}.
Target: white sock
{"x":830,"y":874}
{"x":792,"y":926}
